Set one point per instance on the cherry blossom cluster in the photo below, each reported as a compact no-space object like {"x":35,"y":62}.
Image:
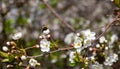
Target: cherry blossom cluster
{"x":84,"y":50}
{"x":89,"y":53}
{"x":14,"y":55}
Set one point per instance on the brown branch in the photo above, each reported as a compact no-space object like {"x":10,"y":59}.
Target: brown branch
{"x":60,"y":49}
{"x":57,"y":15}
{"x":108,"y":26}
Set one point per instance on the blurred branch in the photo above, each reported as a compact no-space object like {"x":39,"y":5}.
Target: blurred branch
{"x":57,"y":15}
{"x":28,"y":48}
{"x":59,"y":49}
{"x":108,"y":26}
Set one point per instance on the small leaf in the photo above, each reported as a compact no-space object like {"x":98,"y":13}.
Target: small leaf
{"x":23,"y":51}
{"x":11,"y":57}
{"x":3,"y":54}
{"x":72,"y":64}
{"x":5,"y":60}
{"x":52,"y":45}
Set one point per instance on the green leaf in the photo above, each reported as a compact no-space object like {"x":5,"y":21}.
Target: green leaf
{"x":5,"y":60}
{"x":3,"y":54}
{"x":72,"y":64}
{"x":52,"y":45}
{"x":11,"y":57}
{"x":23,"y":51}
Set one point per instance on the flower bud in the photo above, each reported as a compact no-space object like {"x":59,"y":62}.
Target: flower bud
{"x":5,"y":48}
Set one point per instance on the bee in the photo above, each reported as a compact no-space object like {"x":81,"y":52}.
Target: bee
{"x":45,"y":30}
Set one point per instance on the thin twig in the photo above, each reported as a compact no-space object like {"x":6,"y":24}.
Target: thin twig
{"x":35,"y":56}
{"x":57,"y":15}
{"x":28,"y":48}
{"x":108,"y":26}
{"x":60,"y":49}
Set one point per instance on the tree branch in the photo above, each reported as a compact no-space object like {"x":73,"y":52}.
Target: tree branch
{"x":60,"y":49}
{"x":108,"y":26}
{"x":57,"y":15}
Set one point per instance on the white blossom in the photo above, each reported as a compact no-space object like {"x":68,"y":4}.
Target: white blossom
{"x":92,"y":57}
{"x":112,"y":0}
{"x":8,"y":43}
{"x":78,"y":50}
{"x":115,"y":57}
{"x":106,"y":48}
{"x":90,"y":49}
{"x":96,"y":66}
{"x":17,"y":36}
{"x":63,"y":55}
{"x":88,"y":34}
{"x":54,"y":60}
{"x":110,"y":59}
{"x":77,"y":42}
{"x":45,"y":45}
{"x":110,"y":45}
{"x":88,"y":37}
{"x":114,"y":38}
{"x":23,"y":57}
{"x":33,"y":62}
{"x":102,"y":39}
{"x":87,"y":43}
{"x":5,"y":48}
{"x":71,"y":56}
{"x":37,"y":46}
{"x":78,"y":34}
{"x":97,"y":45}
{"x":69,"y":38}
